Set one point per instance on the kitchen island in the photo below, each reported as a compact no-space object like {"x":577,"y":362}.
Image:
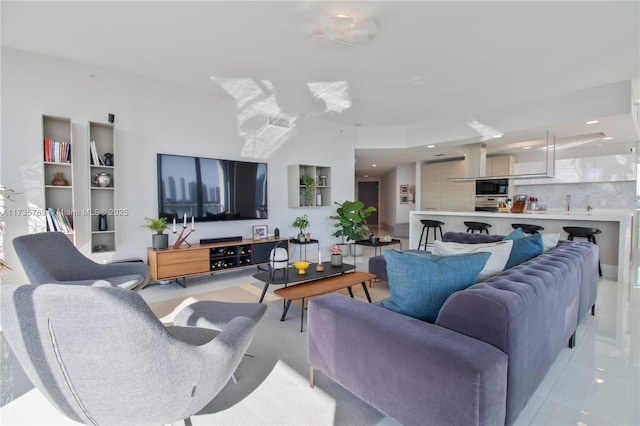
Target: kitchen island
{"x":615,"y":241}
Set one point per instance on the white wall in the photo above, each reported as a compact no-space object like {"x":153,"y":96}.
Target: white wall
{"x":406,"y":175}
{"x":151,"y":117}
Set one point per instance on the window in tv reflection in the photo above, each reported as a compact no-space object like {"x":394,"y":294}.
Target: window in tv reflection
{"x":211,"y":189}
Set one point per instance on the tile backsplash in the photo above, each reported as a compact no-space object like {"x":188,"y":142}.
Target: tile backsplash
{"x":606,"y":195}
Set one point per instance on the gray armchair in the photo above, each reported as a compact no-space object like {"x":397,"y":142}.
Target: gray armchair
{"x":102,"y":357}
{"x":50,"y":257}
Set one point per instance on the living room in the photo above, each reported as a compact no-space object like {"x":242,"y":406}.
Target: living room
{"x":152,"y":116}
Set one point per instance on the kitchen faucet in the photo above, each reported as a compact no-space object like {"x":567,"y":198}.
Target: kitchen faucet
{"x":568,"y":202}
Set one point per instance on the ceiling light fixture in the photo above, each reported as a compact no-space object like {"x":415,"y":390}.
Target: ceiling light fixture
{"x":431,"y":146}
{"x":607,"y":138}
{"x":373,"y":165}
{"x":526,"y":147}
{"x":592,"y":122}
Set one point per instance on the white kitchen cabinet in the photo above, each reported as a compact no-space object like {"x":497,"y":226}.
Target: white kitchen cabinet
{"x":438,"y":193}
{"x":608,"y":168}
{"x":501,"y":165}
{"x":430,"y":186}
{"x":615,"y":168}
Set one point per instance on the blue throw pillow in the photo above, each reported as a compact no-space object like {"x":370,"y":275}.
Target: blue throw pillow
{"x":523,"y":249}
{"x":420,"y":284}
{"x":517,"y":233}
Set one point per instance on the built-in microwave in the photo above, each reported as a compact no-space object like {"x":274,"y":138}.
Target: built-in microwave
{"x":492,"y":187}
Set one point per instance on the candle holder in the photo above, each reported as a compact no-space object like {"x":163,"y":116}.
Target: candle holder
{"x":182,"y":239}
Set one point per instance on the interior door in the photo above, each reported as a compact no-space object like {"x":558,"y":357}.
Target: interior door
{"x":368,"y":194}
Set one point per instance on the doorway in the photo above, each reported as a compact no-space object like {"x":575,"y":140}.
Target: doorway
{"x":368,"y":194}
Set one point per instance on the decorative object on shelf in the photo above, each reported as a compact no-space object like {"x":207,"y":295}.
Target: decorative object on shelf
{"x":307,"y":237}
{"x":182,"y":239}
{"x":100,"y":247}
{"x":108,"y":159}
{"x":59,"y":180}
{"x":532,"y":203}
{"x":259,"y":232}
{"x":159,"y":240}
{"x":276,"y":233}
{"x":323,"y":180}
{"x":385,"y":239}
{"x":309,"y":188}
{"x":318,"y":199}
{"x":301,"y":223}
{"x":102,"y":179}
{"x":301,"y":266}
{"x":102,"y":221}
{"x":336,"y":255}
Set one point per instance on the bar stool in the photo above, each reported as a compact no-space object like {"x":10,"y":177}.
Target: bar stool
{"x":435,"y":224}
{"x":588,"y":233}
{"x":527,"y":229}
{"x":477,"y":226}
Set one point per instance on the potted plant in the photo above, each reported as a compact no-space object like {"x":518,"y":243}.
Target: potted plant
{"x":309,"y":188}
{"x":336,"y":255}
{"x":301,"y":223}
{"x":351,"y":217}
{"x":159,"y":240}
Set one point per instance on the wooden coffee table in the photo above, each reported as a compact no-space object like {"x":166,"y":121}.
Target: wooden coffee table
{"x":322,"y":286}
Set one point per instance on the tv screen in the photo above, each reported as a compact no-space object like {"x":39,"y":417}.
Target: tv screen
{"x":211,"y":189}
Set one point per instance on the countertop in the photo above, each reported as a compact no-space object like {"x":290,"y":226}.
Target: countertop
{"x":596,"y":214}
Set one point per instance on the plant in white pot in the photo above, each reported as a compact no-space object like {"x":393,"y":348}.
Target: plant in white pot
{"x":301,"y":223}
{"x":351,"y":217}
{"x":159,"y":240}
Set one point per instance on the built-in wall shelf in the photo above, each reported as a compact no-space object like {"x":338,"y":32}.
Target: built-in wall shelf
{"x":299,"y":196}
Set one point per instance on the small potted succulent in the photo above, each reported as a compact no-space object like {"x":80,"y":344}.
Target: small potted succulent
{"x":301,"y":223}
{"x":336,"y":255}
{"x":159,"y":240}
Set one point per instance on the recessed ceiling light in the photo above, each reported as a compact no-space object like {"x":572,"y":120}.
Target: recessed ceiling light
{"x":526,"y":147}
{"x":366,"y":176}
{"x":593,"y":122}
{"x":431,"y":146}
{"x":497,"y":136}
{"x":373,"y":165}
{"x":607,"y":138}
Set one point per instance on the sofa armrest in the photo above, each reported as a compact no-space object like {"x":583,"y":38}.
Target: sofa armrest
{"x":412,"y":371}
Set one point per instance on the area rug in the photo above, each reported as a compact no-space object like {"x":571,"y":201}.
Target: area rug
{"x":273,"y":387}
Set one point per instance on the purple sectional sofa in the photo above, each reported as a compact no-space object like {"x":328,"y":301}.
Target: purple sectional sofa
{"x":479,"y":363}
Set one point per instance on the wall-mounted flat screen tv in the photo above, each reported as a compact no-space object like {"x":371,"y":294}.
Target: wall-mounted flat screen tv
{"x":211,"y":189}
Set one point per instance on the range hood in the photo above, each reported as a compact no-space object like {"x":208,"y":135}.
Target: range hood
{"x":475,"y":160}
{"x":475,"y":164}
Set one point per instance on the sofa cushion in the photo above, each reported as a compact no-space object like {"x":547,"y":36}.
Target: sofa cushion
{"x":500,"y":252}
{"x":524,"y":248}
{"x":516,"y":233}
{"x":550,"y":241}
{"x":420,"y":283}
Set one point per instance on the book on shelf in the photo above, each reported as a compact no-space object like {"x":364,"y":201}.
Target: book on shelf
{"x":55,"y":226}
{"x":57,"y":152}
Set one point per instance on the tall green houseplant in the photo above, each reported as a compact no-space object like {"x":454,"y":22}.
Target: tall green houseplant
{"x":351,"y":217}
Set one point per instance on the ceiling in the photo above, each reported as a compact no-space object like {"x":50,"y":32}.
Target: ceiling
{"x":430,"y":60}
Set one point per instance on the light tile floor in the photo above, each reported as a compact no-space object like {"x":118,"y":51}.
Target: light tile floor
{"x":596,"y":383}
